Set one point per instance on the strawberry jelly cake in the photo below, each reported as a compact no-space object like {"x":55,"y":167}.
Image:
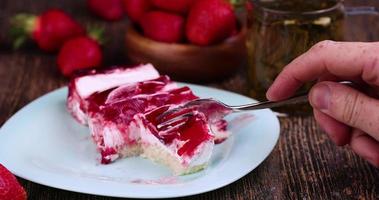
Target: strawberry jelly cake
{"x":123,"y":119}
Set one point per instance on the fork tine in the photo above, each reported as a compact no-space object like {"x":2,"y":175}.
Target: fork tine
{"x":175,"y":122}
{"x":168,"y":113}
{"x":188,"y":104}
{"x":197,"y":102}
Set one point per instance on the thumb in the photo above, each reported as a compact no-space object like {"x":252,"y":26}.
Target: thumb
{"x":347,"y":105}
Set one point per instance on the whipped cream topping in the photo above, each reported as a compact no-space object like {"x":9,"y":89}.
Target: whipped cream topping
{"x":89,"y":84}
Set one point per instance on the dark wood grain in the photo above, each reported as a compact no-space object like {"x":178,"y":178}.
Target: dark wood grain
{"x":303,"y":165}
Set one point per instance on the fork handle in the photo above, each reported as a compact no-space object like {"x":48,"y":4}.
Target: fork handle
{"x":300,"y":98}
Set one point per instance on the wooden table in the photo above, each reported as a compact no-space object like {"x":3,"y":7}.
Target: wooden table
{"x":305,"y":164}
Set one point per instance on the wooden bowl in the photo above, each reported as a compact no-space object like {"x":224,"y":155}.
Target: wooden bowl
{"x":186,"y":62}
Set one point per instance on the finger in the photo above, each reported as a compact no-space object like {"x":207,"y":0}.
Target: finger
{"x":358,"y":83}
{"x":329,"y":77}
{"x":372,"y":91}
{"x":338,"y":132}
{"x":365,"y":146}
{"x":347,"y":105}
{"x":342,"y":59}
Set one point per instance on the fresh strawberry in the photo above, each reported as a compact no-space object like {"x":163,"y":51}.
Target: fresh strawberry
{"x":249,"y":6}
{"x":162,"y":26}
{"x":107,"y":9}
{"x":210,"y":22}
{"x":49,"y":30}
{"x":10,"y":188}
{"x":178,"y":6}
{"x":80,"y":53}
{"x":136,"y":8}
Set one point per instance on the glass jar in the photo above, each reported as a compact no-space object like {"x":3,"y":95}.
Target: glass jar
{"x":280,"y":30}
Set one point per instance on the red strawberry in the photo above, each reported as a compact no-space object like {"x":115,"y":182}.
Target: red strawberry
{"x":249,"y":6}
{"x":10,"y":188}
{"x":210,"y":21}
{"x":179,"y":6}
{"x":79,"y":53}
{"x":162,"y":26}
{"x":107,"y":9}
{"x":49,"y":30}
{"x":136,"y":8}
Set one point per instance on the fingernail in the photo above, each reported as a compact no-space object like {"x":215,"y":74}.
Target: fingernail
{"x":320,"y":97}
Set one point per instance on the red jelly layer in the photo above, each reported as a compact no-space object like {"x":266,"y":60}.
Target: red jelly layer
{"x":123,"y":111}
{"x":192,"y":130}
{"x":96,"y":100}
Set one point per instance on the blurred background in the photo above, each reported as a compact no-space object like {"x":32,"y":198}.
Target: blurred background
{"x":29,"y":61}
{"x":114,"y":48}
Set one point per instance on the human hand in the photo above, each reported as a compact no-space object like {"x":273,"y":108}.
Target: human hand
{"x":348,"y":115}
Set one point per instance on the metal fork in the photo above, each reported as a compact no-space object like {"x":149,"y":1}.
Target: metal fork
{"x":215,"y":110}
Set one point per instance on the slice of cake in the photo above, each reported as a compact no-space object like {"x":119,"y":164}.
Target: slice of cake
{"x":122,"y":113}
{"x":111,"y":114}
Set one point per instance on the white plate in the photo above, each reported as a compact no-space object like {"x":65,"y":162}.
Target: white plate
{"x":42,"y":143}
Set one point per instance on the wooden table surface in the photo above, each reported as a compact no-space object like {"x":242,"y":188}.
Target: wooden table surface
{"x":305,"y":164}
